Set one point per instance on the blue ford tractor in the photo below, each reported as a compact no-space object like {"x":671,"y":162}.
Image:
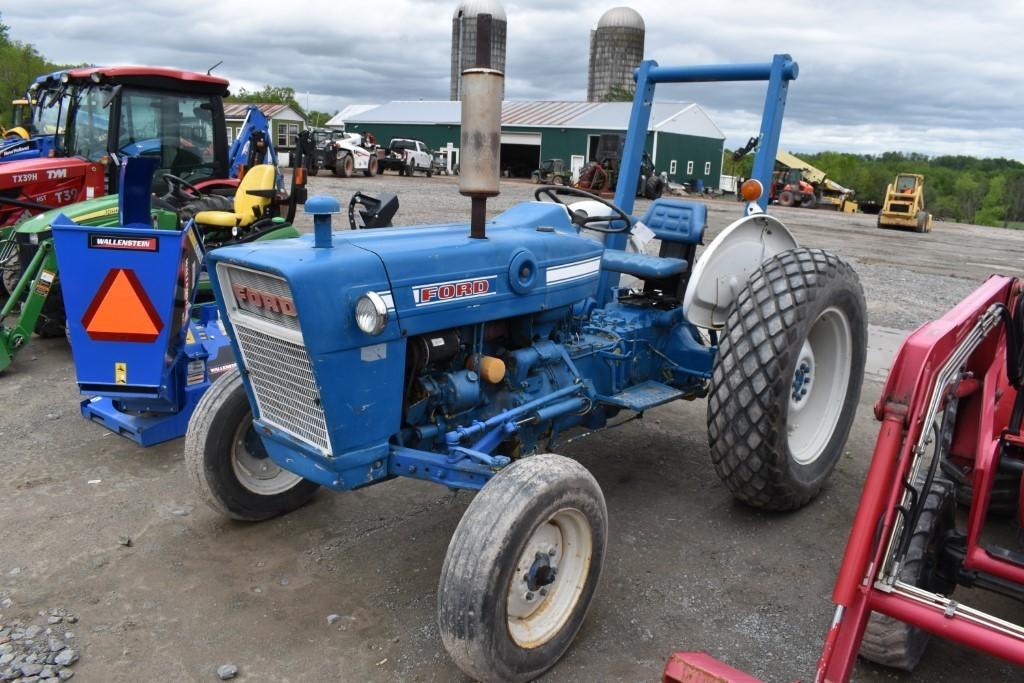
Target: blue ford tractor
{"x":462,"y":353}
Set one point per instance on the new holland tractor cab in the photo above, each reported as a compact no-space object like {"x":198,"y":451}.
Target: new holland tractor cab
{"x":37,"y":119}
{"x":463,"y":353}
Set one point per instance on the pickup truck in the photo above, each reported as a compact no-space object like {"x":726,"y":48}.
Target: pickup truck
{"x":408,"y":155}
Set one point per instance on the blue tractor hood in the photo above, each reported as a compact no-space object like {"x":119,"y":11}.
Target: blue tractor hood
{"x":431,"y":277}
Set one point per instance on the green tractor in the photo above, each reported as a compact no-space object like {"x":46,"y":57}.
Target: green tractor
{"x":552,"y":172}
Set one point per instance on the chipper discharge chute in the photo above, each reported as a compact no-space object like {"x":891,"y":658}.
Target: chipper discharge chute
{"x":139,"y":351}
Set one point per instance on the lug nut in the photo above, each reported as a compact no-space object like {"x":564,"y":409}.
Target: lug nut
{"x":529,"y":597}
{"x":543,"y":591}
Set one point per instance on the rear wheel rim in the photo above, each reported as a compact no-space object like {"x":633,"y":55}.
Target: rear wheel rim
{"x":253,"y":468}
{"x":549,"y":578}
{"x":821,"y":380}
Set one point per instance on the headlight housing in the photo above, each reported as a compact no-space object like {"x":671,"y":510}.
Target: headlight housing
{"x":371,"y":313}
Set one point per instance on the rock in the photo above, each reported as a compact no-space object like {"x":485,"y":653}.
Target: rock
{"x":125,"y":540}
{"x":56,"y":644}
{"x":5,"y":603}
{"x":6,"y":658}
{"x":54,"y":620}
{"x":227,"y":671}
{"x":71,"y":618}
{"x":33,"y":631}
{"x":333,"y":618}
{"x":31,"y":669}
{"x":14,"y":572}
{"x":66,"y":657}
{"x":65,"y":674}
{"x":47,"y":672}
{"x":179,"y":513}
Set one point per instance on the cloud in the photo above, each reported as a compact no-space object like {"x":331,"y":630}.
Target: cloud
{"x":930,"y":77}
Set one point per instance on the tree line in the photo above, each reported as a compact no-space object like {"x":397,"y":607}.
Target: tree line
{"x":20,"y":64}
{"x":957,"y":188}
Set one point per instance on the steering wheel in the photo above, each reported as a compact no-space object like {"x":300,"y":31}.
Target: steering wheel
{"x":176,"y":185}
{"x":553,"y":192}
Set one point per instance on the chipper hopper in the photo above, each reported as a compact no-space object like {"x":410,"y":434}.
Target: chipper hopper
{"x":952,"y":412}
{"x":462,"y":353}
{"x":139,"y":351}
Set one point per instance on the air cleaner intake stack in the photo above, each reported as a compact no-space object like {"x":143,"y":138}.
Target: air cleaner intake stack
{"x":480,"y":141}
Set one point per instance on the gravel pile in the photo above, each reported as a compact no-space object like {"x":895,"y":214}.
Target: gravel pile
{"x":39,"y":650}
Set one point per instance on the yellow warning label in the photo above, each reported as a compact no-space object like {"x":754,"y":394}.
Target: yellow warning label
{"x":189,"y":337}
{"x":120,"y":373}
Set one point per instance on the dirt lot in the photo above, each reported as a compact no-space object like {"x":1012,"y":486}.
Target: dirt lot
{"x":687,"y":567}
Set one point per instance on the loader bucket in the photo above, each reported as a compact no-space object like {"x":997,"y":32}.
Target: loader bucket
{"x":128,"y":292}
{"x":699,"y":667}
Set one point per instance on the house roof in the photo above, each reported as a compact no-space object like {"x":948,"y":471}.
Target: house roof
{"x":236,"y":110}
{"x":686,"y":118}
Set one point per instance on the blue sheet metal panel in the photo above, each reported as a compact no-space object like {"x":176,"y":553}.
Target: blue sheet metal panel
{"x":135,"y":180}
{"x":87,"y":257}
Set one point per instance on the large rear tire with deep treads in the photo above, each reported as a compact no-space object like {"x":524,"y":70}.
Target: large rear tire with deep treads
{"x":894,"y":643}
{"x":522,"y":568}
{"x":227,"y":463}
{"x":786,"y":379}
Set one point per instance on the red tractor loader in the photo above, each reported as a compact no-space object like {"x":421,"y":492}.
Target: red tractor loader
{"x":951,"y":414}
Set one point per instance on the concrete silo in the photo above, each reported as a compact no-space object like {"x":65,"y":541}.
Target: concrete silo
{"x":616,"y":49}
{"x":464,"y":39}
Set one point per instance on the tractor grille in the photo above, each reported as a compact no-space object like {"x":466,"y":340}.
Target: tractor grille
{"x":282,"y":379}
{"x":900,"y":208}
{"x":262,"y":282}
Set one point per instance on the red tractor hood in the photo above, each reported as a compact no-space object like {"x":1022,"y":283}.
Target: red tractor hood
{"x":32,"y":171}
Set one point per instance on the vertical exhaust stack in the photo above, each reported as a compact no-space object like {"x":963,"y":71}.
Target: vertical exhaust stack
{"x":480,"y":141}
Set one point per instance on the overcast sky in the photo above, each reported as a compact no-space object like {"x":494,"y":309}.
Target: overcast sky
{"x":936,"y":77}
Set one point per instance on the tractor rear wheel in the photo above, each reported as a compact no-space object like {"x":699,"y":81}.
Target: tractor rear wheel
{"x":786,"y":198}
{"x":894,"y":643}
{"x":808,"y":201}
{"x":228,"y":464}
{"x":371,"y":168}
{"x":787,"y":378}
{"x":522,"y":568}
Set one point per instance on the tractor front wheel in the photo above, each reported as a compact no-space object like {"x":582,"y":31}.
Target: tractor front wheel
{"x":228,"y":464}
{"x":787,"y":378}
{"x":786,"y":198}
{"x":371,"y":168}
{"x":348,"y":166}
{"x":522,"y":568}
{"x":894,"y":643}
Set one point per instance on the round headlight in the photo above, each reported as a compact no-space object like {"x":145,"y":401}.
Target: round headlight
{"x":371,"y":313}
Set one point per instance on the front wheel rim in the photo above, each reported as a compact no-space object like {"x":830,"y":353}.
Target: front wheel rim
{"x":549,"y":578}
{"x":253,"y":468}
{"x":820,"y":383}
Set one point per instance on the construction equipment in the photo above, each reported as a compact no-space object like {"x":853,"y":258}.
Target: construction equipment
{"x":903,"y":206}
{"x":21,"y":122}
{"x":952,"y":405}
{"x":37,"y":117}
{"x":798,"y":183}
{"x":461,"y":354}
{"x":30,"y":271}
{"x":103,"y":114}
{"x":552,"y":172}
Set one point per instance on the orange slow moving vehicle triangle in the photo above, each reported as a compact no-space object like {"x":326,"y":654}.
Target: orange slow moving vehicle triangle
{"x":121,"y":310}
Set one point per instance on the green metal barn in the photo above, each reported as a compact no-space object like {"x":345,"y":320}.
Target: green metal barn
{"x":682,"y":140}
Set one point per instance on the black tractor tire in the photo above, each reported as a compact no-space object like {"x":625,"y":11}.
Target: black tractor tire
{"x":10,"y":268}
{"x":921,"y":222}
{"x":654,"y":187}
{"x":371,"y":168}
{"x":348,"y":166}
{"x":218,"y":426}
{"x":1005,"y":496}
{"x":808,"y":201}
{"x":484,"y":567}
{"x":786,"y":198}
{"x":52,"y":320}
{"x":894,"y":643}
{"x":754,"y":404}
{"x":535,"y":178}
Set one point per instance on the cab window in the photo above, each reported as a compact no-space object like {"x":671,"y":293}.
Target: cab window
{"x":175,"y":130}
{"x":91,"y":124}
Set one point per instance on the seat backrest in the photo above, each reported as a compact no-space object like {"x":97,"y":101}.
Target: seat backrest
{"x":676,"y":220}
{"x":248,"y":206}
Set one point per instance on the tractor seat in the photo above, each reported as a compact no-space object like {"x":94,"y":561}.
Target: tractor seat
{"x":252,"y":200}
{"x":642,"y":265}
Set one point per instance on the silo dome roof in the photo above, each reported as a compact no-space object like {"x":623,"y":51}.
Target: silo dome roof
{"x":472,"y":8}
{"x":620,"y":17}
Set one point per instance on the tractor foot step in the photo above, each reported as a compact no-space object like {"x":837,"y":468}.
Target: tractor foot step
{"x":642,"y":396}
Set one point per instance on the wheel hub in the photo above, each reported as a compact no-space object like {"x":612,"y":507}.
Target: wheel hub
{"x":803,"y":376}
{"x":542,"y":572}
{"x":253,"y":466}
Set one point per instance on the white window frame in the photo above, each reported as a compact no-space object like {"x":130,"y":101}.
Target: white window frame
{"x":707,"y":168}
{"x":689,"y":167}
{"x":672,"y":167}
{"x":287,"y":134}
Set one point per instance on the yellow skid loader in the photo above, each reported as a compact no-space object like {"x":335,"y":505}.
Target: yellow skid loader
{"x":904,"y":204}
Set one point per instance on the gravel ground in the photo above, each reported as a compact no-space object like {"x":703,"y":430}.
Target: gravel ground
{"x":344,"y":589}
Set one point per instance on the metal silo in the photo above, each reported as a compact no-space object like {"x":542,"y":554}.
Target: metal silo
{"x":616,"y":49}
{"x":464,"y":39}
